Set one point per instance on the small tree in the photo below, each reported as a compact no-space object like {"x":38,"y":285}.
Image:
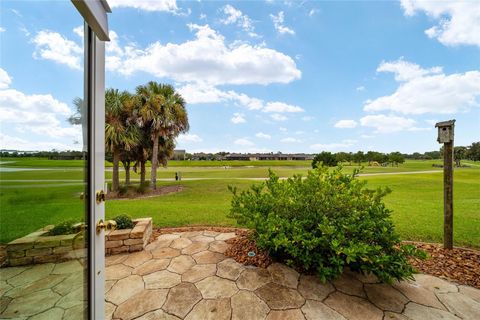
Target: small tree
{"x":396,"y":158}
{"x":326,"y":158}
{"x":459,"y":153}
{"x":359,"y":157}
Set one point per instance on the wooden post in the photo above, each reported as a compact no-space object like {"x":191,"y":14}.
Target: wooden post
{"x":448,"y":195}
{"x":445,"y":136}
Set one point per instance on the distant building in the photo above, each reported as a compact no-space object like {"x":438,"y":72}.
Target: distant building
{"x":268,"y":156}
{"x":179,"y":154}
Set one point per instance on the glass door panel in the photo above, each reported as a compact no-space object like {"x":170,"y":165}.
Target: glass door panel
{"x":43,"y":162}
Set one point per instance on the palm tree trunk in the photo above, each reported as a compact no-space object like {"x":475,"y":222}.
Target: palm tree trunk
{"x":153,"y":178}
{"x":115,"y":177}
{"x":142,"y":172}
{"x":127,"y":174}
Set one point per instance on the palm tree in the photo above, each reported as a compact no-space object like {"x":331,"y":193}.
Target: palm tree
{"x":163,"y":113}
{"x":120,"y":133}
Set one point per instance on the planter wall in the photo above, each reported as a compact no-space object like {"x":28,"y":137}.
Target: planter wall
{"x":38,"y":248}
{"x":129,"y":240}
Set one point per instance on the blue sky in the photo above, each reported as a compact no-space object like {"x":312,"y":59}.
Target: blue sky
{"x":262,"y":76}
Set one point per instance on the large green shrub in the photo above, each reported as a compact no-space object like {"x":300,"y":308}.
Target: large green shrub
{"x":123,"y":221}
{"x":324,"y":222}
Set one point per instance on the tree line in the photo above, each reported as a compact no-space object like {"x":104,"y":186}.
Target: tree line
{"x":333,"y":159}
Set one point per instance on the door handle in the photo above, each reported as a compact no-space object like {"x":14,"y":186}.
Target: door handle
{"x":100,"y":196}
{"x":107,"y":225}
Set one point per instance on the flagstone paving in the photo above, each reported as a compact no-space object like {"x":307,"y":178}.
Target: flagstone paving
{"x":187,"y":276}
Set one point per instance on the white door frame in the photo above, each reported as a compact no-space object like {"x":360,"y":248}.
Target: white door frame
{"x":95,"y":95}
{"x":94,"y":12}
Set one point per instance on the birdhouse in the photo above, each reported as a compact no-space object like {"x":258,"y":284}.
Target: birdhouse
{"x":445,"y":131}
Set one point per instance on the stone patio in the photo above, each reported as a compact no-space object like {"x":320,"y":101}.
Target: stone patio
{"x":187,"y":276}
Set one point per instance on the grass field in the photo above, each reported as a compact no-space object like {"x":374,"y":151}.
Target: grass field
{"x":27,"y":204}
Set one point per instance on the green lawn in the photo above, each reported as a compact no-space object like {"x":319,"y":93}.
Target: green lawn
{"x":416,"y":199}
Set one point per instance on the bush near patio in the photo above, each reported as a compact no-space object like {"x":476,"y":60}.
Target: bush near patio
{"x":324,"y":223}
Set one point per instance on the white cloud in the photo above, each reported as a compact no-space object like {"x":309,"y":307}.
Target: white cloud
{"x":312,"y":12}
{"x":427,"y":90}
{"x":235,"y":16}
{"x":367,"y":136}
{"x":53,"y":46}
{"x":5,"y":79}
{"x":290,"y":140}
{"x":188,"y":138}
{"x":278,"y":21}
{"x":283,"y":129}
{"x":300,"y":132}
{"x":202,"y":16}
{"x":40,"y":115}
{"x":150,"y":5}
{"x":238,"y":118}
{"x":281,"y":107}
{"x":196,"y":93}
{"x":360,"y":88}
{"x":278,"y":117}
{"x":387,"y":124}
{"x":345,"y":124}
{"x":15,"y":143}
{"x":209,"y":59}
{"x":345,"y":144}
{"x":244,"y":142}
{"x":458,"y":21}
{"x":2,"y":29}
{"x":262,"y":135}
{"x":405,"y":70}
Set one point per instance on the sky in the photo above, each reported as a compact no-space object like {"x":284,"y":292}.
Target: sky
{"x":258,"y":76}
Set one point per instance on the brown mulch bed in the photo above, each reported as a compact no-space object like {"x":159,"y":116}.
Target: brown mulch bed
{"x":133,"y":194}
{"x":241,"y":246}
{"x":461,"y":265}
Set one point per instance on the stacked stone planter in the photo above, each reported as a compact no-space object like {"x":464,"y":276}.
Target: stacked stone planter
{"x":37,"y":247}
{"x":129,"y":240}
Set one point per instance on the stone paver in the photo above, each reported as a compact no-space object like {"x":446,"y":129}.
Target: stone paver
{"x":137,"y":258}
{"x":471,"y":292}
{"x":214,"y":287}
{"x":292,"y":314}
{"x":208,"y":257}
{"x":151,"y":266}
{"x":416,"y":311}
{"x":180,"y":243}
{"x":279,"y":297}
{"x":181,"y":264}
{"x":195,"y":247}
{"x":181,"y":299}
{"x":161,"y":280}
{"x":354,"y":308}
{"x":229,"y":269}
{"x":253,"y":278}
{"x":217,"y":309}
{"x":418,"y":294}
{"x":385,"y":297}
{"x":460,"y":305}
{"x":218,"y":246}
{"x":310,"y":287}
{"x":247,"y":306}
{"x":435,"y":284}
{"x":124,"y":289}
{"x":187,"y":276}
{"x":117,"y":272}
{"x":316,"y":310}
{"x":199,"y":272}
{"x":349,"y":284}
{"x":165,"y":253}
{"x":141,"y":303}
{"x":283,"y":275}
